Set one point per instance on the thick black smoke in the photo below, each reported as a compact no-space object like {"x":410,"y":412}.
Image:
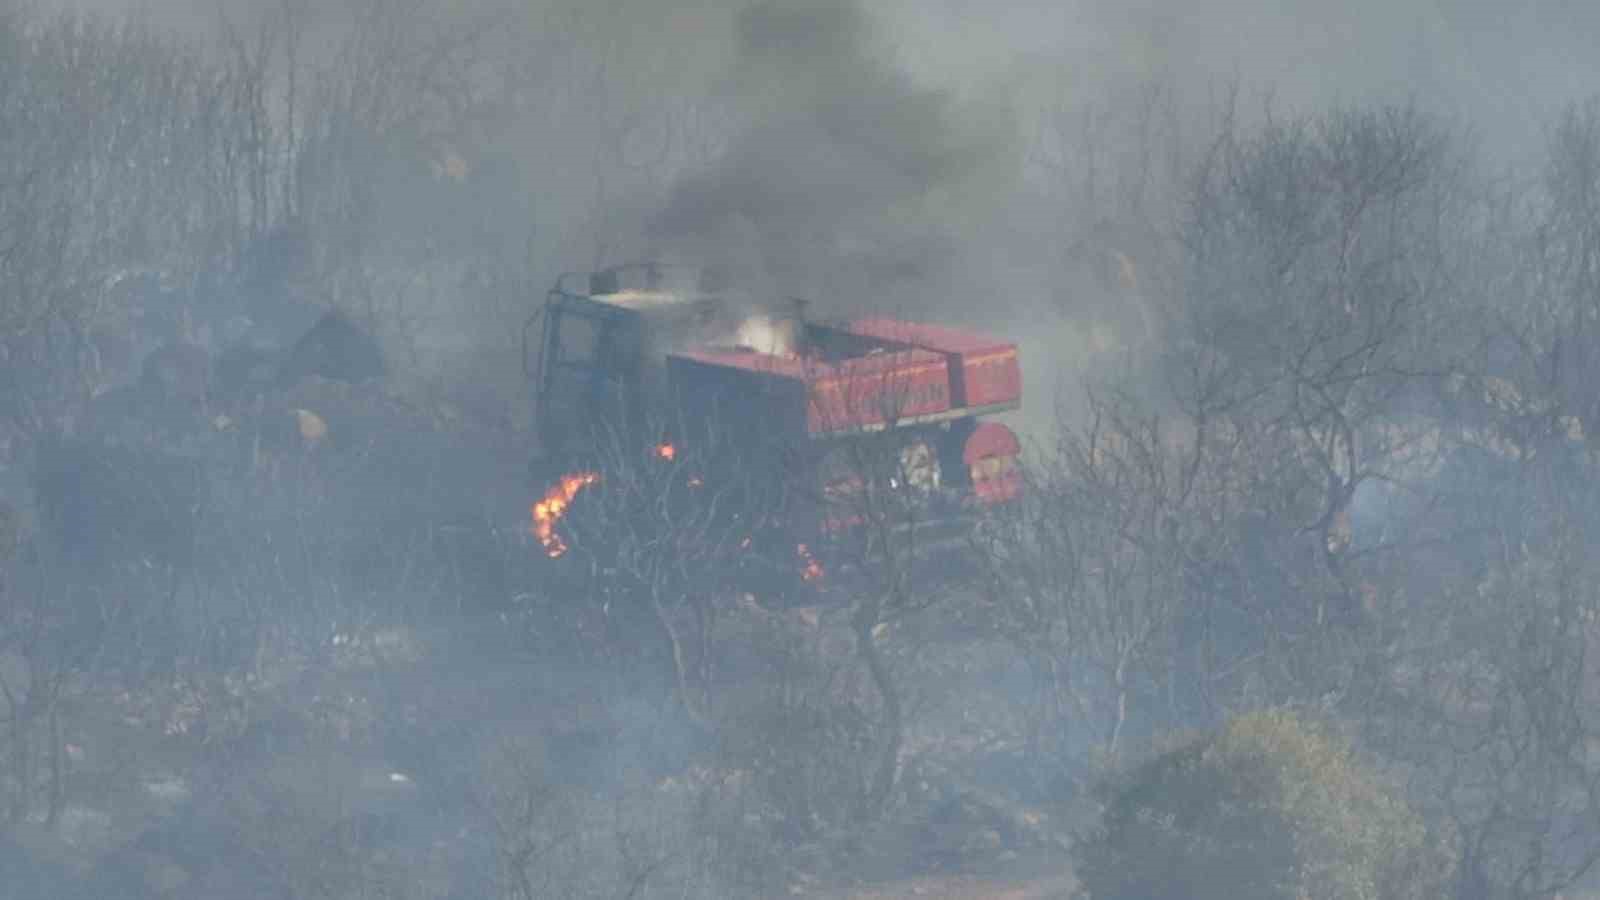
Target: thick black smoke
{"x":839,"y":186}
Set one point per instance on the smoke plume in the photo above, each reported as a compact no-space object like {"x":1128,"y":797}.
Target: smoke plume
{"x":842,"y":182}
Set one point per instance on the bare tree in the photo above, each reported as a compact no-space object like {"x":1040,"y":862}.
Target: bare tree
{"x":1086,"y":574}
{"x":665,"y":534}
{"x":1491,"y":664}
{"x":876,"y":483}
{"x":1209,"y":493}
{"x":1113,"y":170}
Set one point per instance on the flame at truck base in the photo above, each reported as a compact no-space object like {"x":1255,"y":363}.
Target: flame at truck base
{"x":548,"y":511}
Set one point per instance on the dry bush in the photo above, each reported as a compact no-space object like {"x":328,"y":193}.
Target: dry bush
{"x":803,"y":729}
{"x":634,"y":837}
{"x":1272,"y":806}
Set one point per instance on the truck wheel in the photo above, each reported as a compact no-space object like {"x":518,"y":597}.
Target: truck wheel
{"x":919,"y":467}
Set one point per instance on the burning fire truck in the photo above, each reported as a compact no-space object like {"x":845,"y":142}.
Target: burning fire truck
{"x":655,"y":353}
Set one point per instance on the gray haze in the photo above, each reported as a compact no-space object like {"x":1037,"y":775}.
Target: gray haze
{"x":849,"y":178}
{"x":885,"y":142}
{"x":267,"y":477}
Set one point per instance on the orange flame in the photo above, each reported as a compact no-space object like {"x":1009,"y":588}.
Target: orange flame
{"x":547,"y":512}
{"x":666,"y":451}
{"x":811,"y":570}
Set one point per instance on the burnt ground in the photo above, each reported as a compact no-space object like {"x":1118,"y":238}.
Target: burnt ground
{"x":367,"y":761}
{"x":388,"y":733}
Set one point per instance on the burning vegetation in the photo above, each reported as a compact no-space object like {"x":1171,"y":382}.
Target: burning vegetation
{"x":548,"y":511}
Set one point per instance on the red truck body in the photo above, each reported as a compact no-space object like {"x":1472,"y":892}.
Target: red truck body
{"x":916,"y":374}
{"x":653,"y":346}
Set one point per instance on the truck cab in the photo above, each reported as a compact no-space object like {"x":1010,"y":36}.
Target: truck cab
{"x":596,"y":351}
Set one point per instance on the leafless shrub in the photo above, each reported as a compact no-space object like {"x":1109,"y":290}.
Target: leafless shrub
{"x":1489,"y":660}
{"x":665,"y":534}
{"x":1086,"y":575}
{"x":637,"y":838}
{"x":803,"y":729}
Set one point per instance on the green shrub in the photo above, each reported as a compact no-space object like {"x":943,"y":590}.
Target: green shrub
{"x":1272,"y":807}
